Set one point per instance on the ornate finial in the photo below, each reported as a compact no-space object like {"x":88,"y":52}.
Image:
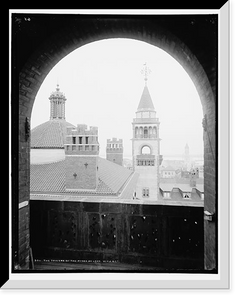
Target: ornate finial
{"x":57,"y":88}
{"x":145,"y":71}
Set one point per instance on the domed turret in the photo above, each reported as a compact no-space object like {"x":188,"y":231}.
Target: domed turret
{"x":57,"y":104}
{"x":48,"y":138}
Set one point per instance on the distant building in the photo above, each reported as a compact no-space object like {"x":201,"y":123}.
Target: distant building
{"x":182,"y":193}
{"x":114,"y":151}
{"x":181,"y":189}
{"x":168,"y":172}
{"x":187,"y":160}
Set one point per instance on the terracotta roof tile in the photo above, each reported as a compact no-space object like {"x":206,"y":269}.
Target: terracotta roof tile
{"x":50,"y":178}
{"x":112,"y":174}
{"x":50,"y":134}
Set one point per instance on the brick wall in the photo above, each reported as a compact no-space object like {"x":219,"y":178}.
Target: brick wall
{"x":115,"y":156}
{"x":210,"y":190}
{"x":40,"y":44}
{"x":24,"y":238}
{"x":85,"y":168}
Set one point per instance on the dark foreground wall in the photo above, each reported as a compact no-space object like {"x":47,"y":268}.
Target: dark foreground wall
{"x":170,"y":237}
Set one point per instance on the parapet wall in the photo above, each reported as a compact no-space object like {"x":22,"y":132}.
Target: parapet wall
{"x":168,"y":237}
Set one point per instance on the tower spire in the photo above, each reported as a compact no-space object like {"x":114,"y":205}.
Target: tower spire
{"x":145,"y":72}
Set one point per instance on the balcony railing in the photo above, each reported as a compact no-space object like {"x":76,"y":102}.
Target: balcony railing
{"x":168,"y":237}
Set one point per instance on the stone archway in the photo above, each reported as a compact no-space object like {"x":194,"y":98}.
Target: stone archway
{"x":145,"y":149}
{"x":66,"y":33}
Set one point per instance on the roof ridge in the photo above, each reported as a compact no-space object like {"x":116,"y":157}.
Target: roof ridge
{"x":125,"y":184}
{"x":49,"y":163}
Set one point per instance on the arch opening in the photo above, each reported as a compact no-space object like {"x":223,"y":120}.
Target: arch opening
{"x":40,"y":62}
{"x":146,"y":150}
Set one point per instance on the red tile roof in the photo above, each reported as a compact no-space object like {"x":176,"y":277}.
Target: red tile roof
{"x":50,"y":134}
{"x":112,"y":174}
{"x":48,"y":177}
{"x":113,"y":179}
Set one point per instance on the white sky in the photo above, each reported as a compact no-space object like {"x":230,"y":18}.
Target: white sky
{"x":102,"y":82}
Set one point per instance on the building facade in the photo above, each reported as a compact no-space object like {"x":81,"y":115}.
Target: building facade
{"x":146,"y":147}
{"x":168,"y":172}
{"x":81,"y":155}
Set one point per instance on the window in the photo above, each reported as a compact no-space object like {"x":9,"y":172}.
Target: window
{"x":145,"y":132}
{"x":150,"y":131}
{"x":146,"y":150}
{"x":86,"y":148}
{"x":167,"y":194}
{"x":154,"y":131}
{"x":80,"y":140}
{"x":136,"y":131}
{"x":145,"y":192}
{"x":145,"y":162}
{"x":74,"y":140}
{"x":86,"y":139}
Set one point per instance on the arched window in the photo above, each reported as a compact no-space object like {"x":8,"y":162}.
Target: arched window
{"x":141,"y":132}
{"x":154,"y":131}
{"x":150,"y":131}
{"x":146,"y":150}
{"x":145,"y":132}
{"x":136,"y":132}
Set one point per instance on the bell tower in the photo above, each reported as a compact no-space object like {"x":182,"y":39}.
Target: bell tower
{"x":146,"y":146}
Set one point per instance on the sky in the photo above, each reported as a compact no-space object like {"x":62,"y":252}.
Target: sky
{"x":103,"y":84}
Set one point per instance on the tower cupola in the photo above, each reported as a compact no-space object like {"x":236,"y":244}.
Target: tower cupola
{"x":57,"y":104}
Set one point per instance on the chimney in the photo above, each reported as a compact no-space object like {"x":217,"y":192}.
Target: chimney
{"x":193,"y":177}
